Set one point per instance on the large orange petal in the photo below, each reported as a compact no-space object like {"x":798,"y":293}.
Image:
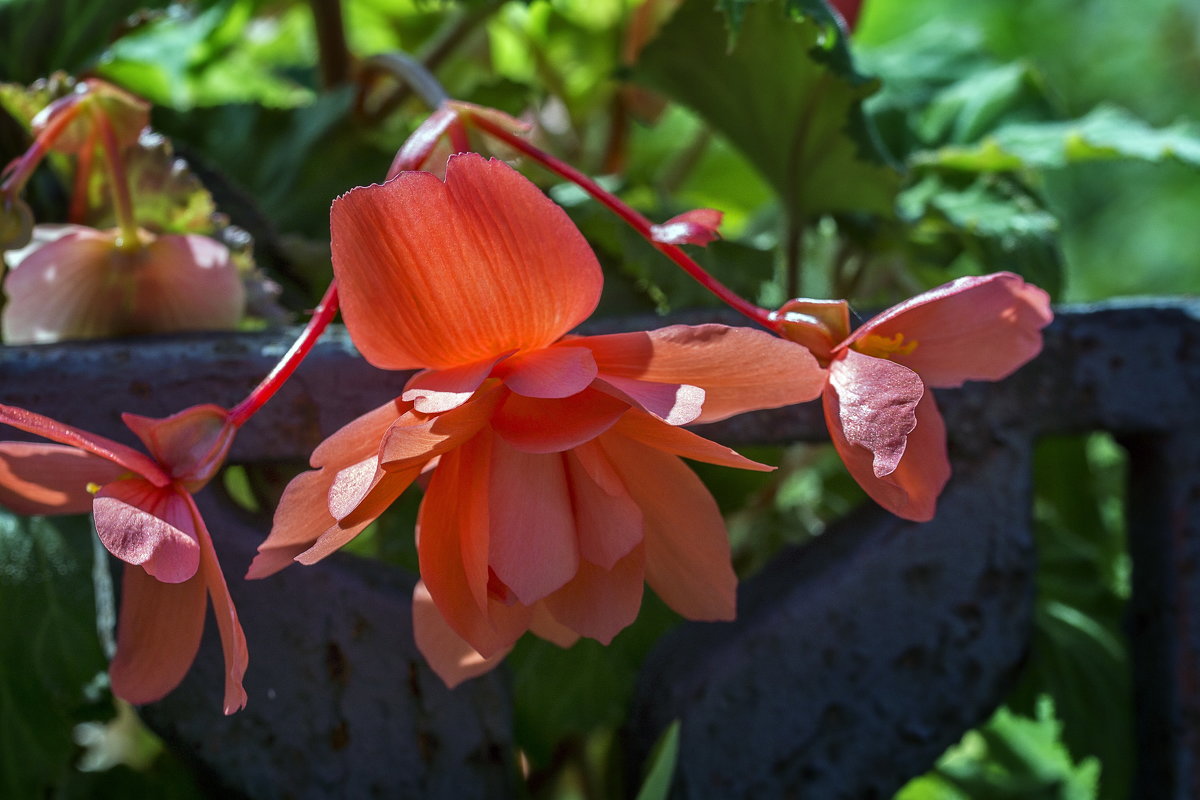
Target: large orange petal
{"x":143,"y":524}
{"x":107,"y":449}
{"x":739,"y":369}
{"x":439,"y":274}
{"x":452,"y":546}
{"x":233,"y":640}
{"x":447,"y":653}
{"x":670,"y":439}
{"x":687,"y":546}
{"x":607,"y":521}
{"x":158,"y":634}
{"x":911,"y":489}
{"x":599,"y":602}
{"x":533,"y":548}
{"x":37,"y":478}
{"x":536,"y":425}
{"x":186,"y":283}
{"x":874,"y":401}
{"x":974,"y":328}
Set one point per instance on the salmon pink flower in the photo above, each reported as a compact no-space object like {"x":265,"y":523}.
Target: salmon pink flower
{"x":557,"y":489}
{"x":74,"y":282}
{"x":145,"y":516}
{"x":884,"y":423}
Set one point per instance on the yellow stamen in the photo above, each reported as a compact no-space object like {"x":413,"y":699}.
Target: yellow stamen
{"x":885,"y":346}
{"x":92,"y":488}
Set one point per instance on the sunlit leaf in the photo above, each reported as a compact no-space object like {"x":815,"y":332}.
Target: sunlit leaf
{"x":662,"y":760}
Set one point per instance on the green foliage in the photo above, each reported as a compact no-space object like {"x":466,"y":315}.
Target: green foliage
{"x":662,"y":765}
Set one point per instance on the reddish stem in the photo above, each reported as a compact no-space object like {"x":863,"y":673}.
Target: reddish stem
{"x":17,"y":173}
{"x":322,"y":316}
{"x":635,"y":220}
{"x":118,"y":182}
{"x":83,"y":175}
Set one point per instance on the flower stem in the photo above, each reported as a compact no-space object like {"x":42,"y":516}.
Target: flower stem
{"x":322,"y":316}
{"x":118,"y":181}
{"x":635,"y":220}
{"x":18,"y":172}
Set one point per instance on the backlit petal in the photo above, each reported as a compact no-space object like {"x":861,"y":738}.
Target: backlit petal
{"x":607,"y":520}
{"x":874,"y":401}
{"x":192,"y":443}
{"x":301,"y":516}
{"x":437,"y":274}
{"x":447,"y":653}
{"x":598,"y":602}
{"x":698,"y":226}
{"x":435,"y":391}
{"x":37,"y":478}
{"x":143,"y":524}
{"x":549,"y":426}
{"x":359,"y":438}
{"x":550,"y":372}
{"x":186,"y":283}
{"x":739,"y":369}
{"x":686,"y":545}
{"x":911,"y":490}
{"x":673,"y":403}
{"x":533,"y":548}
{"x":678,"y":441}
{"x":974,"y":328}
{"x":233,"y":640}
{"x":545,"y":626}
{"x":158,"y":634}
{"x":416,"y":438}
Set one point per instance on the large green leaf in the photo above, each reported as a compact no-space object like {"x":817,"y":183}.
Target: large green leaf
{"x":49,"y":648}
{"x":1104,"y":134}
{"x":784,"y":94}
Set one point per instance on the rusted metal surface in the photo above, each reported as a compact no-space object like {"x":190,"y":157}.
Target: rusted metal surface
{"x":855,"y":660}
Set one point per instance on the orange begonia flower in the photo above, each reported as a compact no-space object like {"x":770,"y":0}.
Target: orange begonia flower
{"x":883,"y":422}
{"x":75,"y":282}
{"x":145,"y":516}
{"x":557,"y":489}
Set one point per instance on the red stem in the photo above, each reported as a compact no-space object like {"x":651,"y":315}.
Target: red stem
{"x":128,"y":238}
{"x":635,"y":220}
{"x":322,"y":316}
{"x":17,"y":173}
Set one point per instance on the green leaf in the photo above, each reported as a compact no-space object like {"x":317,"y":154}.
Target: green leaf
{"x":785,"y":95}
{"x":1104,"y":134}
{"x":49,"y":648}
{"x":662,"y":765}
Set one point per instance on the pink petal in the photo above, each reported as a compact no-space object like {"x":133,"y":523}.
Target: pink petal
{"x":415,"y":152}
{"x":874,"y":401}
{"x":158,"y":634}
{"x":600,"y":603}
{"x":107,"y":449}
{"x":362,"y":503}
{"x":143,"y":524}
{"x":911,"y":490}
{"x":416,"y":438}
{"x":545,"y":626}
{"x":698,"y":226}
{"x":533,"y":548}
{"x":452,"y":546}
{"x":686,"y":544}
{"x":607,"y":520}
{"x":358,"y":438}
{"x":551,"y":372}
{"x":739,"y":369}
{"x":974,"y":328}
{"x":657,"y":434}
{"x":447,"y":653}
{"x":233,"y":640}
{"x":192,"y":443}
{"x":439,"y":274}
{"x":435,"y":391}
{"x":37,"y":478}
{"x":673,"y":403}
{"x":550,"y":426}
{"x":185,"y":283}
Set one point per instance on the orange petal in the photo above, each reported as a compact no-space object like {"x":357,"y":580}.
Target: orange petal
{"x":911,"y":489}
{"x":874,"y":402}
{"x":416,"y":437}
{"x":233,"y":640}
{"x":107,"y":449}
{"x":739,"y":369}
{"x":545,"y":626}
{"x":607,"y":521}
{"x":143,"y":524}
{"x":439,"y":274}
{"x":186,"y":283}
{"x":673,"y":403}
{"x":192,"y":443}
{"x":300,"y":518}
{"x":532,"y":547}
{"x":359,"y":438}
{"x":452,"y":546}
{"x":670,"y":439}
{"x":447,"y":653}
{"x":974,"y":328}
{"x":686,"y":544}
{"x":361,"y":501}
{"x":551,"y":372}
{"x":158,"y":634}
{"x":550,"y":426}
{"x":434,"y":391}
{"x":37,"y":478}
{"x":598,"y":602}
